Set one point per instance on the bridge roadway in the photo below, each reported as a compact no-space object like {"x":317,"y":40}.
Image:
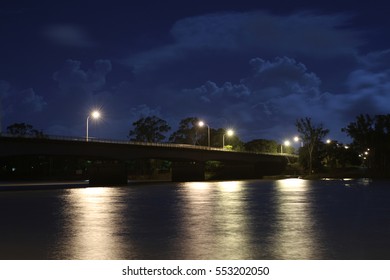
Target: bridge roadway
{"x":187,"y":160}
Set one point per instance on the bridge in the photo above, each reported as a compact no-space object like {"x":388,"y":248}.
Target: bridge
{"x":188,"y":161}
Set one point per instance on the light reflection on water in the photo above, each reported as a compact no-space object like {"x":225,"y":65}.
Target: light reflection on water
{"x":92,"y":219}
{"x":214,"y":221}
{"x":295,"y":228}
{"x":282,"y":219}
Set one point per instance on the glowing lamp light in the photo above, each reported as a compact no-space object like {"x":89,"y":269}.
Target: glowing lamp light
{"x":229,"y":132}
{"x":201,"y":124}
{"x":95,"y":115}
{"x":285,"y":143}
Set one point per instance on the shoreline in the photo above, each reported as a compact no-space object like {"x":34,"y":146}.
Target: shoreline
{"x":64,"y":184}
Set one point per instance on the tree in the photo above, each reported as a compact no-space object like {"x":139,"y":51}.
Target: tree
{"x":149,"y":129}
{"x":311,"y":136}
{"x":235,"y":143}
{"x":361,"y":131}
{"x":262,"y":146}
{"x":23,"y":129}
{"x":372,"y":134}
{"x":188,"y":132}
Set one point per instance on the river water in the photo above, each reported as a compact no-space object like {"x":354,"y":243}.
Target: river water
{"x":259,"y":219}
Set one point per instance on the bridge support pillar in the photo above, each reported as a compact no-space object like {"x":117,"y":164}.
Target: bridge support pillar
{"x":107,"y":173}
{"x":188,"y":171}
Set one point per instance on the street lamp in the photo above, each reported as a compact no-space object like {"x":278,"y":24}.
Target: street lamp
{"x":201,"y":124}
{"x":229,"y":132}
{"x":95,"y":115}
{"x":286,"y":143}
{"x":297,"y":139}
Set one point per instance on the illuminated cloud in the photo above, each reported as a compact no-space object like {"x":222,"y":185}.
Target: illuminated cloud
{"x":277,"y":93}
{"x":227,"y":91}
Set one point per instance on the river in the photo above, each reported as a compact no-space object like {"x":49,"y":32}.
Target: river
{"x":258,"y":219}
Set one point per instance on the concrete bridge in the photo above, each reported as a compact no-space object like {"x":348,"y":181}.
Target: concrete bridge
{"x":188,"y":161}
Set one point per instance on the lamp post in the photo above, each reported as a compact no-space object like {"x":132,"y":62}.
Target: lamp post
{"x":297,"y":139}
{"x":229,"y":132}
{"x":286,"y":143}
{"x":201,"y":124}
{"x":95,"y":115}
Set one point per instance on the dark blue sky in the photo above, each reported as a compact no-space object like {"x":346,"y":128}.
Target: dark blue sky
{"x":255,"y":66}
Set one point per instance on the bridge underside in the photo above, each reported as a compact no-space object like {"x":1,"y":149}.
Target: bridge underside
{"x":188,"y":171}
{"x":108,"y":173}
{"x":199,"y":171}
{"x":181,"y":171}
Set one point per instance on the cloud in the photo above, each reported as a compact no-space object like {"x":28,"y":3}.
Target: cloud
{"x":369,"y":92}
{"x":71,"y":78}
{"x":269,"y":101}
{"x":68,"y":35}
{"x":143,"y":110}
{"x":17,"y":101}
{"x":376,"y":61}
{"x":226,"y":92}
{"x":283,"y":73}
{"x":239,"y":31}
{"x":282,"y":90}
{"x":368,"y":86}
{"x":270,"y":81}
{"x":20,"y":105}
{"x":303,"y":33}
{"x":32,"y":100}
{"x":79,"y":91}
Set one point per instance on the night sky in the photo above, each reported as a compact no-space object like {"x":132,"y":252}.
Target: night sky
{"x":254,"y":66}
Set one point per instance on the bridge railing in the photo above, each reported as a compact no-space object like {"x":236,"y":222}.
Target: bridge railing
{"x":112,"y":141}
{"x":125,"y":142}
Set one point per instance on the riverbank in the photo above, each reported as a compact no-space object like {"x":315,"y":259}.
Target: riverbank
{"x":336,"y":173}
{"x":340,"y":173}
{"x":51,"y":185}
{"x":41,"y":185}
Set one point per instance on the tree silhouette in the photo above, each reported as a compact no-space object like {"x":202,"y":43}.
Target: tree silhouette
{"x":188,"y":132}
{"x":372,"y":135}
{"x":311,"y":136}
{"x":262,"y":146}
{"x":23,"y":129}
{"x":149,"y":129}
